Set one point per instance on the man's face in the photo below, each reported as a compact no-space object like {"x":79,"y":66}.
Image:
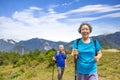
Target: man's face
{"x":61,"y":48}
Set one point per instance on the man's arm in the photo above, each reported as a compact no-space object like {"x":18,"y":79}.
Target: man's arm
{"x":54,"y":57}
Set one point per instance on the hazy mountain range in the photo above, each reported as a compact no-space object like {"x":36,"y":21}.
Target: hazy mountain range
{"x":111,"y":40}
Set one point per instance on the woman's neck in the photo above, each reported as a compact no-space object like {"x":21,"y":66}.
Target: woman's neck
{"x":86,"y":40}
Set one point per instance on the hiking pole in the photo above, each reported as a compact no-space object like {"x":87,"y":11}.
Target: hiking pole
{"x":53,"y":70}
{"x":75,"y":60}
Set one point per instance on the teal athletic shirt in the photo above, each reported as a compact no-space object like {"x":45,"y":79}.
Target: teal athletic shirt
{"x":86,"y":53}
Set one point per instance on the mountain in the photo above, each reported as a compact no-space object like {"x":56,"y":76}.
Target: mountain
{"x":111,"y":40}
{"x":6,"y":45}
{"x":10,"y":45}
{"x":41,"y":44}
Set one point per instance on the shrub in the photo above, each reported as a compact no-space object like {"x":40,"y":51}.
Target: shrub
{"x":15,"y":74}
{"x":29,"y":75}
{"x":106,"y":47}
{"x":49,"y":55}
{"x":1,"y":76}
{"x":1,"y":62}
{"x":20,"y":62}
{"x":40,"y":57}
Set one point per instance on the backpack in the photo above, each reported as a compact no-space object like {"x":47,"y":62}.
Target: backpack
{"x":57,"y":54}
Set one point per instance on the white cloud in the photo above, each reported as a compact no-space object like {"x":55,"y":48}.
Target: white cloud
{"x":67,"y":4}
{"x":54,"y":6}
{"x":103,"y":28}
{"x":83,"y":14}
{"x":112,"y":15}
{"x":95,"y":9}
{"x":51,"y":11}
{"x":70,"y":3}
{"x":35,"y":8}
{"x":25,"y":25}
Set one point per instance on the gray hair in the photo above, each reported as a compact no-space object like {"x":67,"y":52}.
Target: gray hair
{"x":90,"y":28}
{"x":61,"y":46}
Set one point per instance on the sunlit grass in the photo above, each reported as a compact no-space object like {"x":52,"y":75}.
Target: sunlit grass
{"x":108,"y":69}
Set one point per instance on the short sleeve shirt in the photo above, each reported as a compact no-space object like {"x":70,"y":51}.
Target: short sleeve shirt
{"x":87,"y":51}
{"x":60,"y":59}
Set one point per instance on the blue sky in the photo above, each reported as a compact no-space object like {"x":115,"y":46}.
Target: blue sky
{"x":57,"y":20}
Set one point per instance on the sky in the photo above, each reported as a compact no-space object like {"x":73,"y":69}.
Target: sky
{"x":57,"y":20}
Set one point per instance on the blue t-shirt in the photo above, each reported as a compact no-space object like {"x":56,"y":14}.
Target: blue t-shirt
{"x":85,"y":62}
{"x":60,"y":59}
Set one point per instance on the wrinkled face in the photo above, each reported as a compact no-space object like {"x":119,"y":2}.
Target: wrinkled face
{"x":61,"y":48}
{"x":85,"y":31}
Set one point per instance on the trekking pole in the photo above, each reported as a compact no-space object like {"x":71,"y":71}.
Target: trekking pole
{"x":75,"y":60}
{"x":53,"y":70}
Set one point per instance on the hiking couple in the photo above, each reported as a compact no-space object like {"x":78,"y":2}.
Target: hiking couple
{"x":86,"y":52}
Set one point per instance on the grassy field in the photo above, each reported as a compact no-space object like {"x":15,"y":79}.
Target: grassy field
{"x":108,"y":69}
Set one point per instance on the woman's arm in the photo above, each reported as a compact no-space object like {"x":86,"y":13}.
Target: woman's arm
{"x":99,"y":55}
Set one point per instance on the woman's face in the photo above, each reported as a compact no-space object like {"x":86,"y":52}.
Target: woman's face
{"x":85,"y":31}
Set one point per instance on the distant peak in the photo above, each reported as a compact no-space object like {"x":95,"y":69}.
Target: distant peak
{"x":9,"y":41}
{"x":12,"y":41}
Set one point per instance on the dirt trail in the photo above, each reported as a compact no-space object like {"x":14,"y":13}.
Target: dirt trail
{"x":111,"y":50}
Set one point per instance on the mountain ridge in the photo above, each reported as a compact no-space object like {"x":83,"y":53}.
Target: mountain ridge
{"x":111,"y":40}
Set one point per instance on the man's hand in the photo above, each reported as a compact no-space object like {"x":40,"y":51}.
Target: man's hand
{"x":66,"y":66}
{"x":54,"y":59}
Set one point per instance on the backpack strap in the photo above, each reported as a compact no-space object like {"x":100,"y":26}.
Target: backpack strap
{"x":78,"y":42}
{"x":94,"y":40}
{"x":57,"y":54}
{"x":75,"y":60}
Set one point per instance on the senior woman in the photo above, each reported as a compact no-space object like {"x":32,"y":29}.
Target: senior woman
{"x":87,"y":53}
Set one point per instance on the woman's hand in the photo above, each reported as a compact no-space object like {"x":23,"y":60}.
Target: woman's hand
{"x":96,"y":58}
{"x":75,"y":53}
{"x":99,"y":55}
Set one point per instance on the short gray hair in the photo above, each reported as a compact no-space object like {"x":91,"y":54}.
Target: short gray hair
{"x":90,"y":28}
{"x":61,"y":45}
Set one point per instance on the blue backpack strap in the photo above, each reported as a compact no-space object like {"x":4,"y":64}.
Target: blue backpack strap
{"x":57,"y":53}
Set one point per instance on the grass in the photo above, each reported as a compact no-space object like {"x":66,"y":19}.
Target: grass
{"x":108,"y":69}
{"x":109,"y":66}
